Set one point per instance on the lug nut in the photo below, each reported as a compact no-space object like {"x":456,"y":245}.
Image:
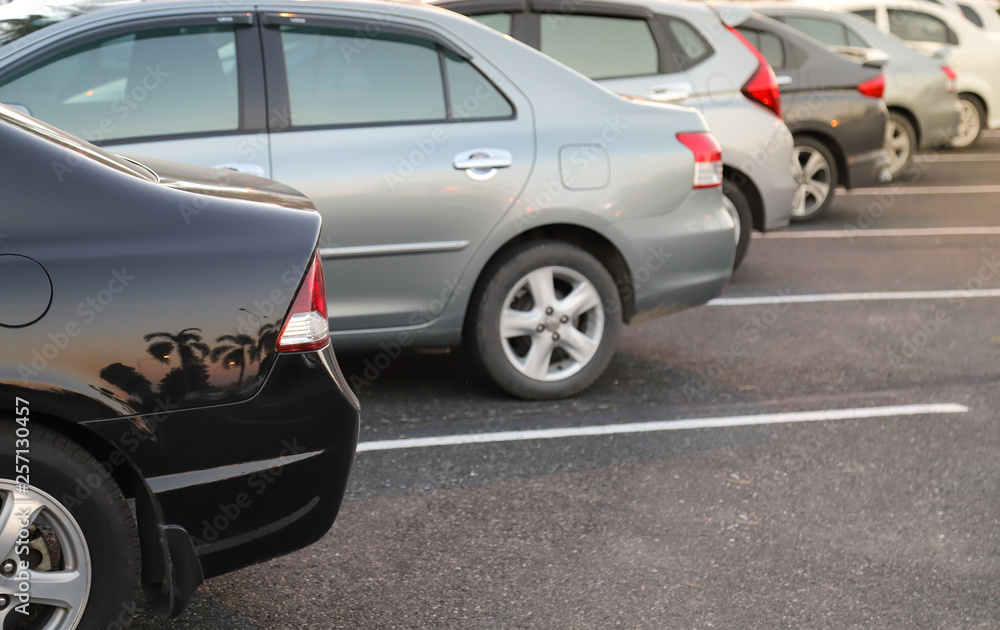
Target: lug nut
{"x":548,"y":311}
{"x":564,"y":319}
{"x":555,"y":336}
{"x":540,"y":328}
{"x":4,"y":602}
{"x":8,"y":567}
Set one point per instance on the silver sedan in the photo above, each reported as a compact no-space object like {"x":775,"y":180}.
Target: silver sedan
{"x":471,"y":188}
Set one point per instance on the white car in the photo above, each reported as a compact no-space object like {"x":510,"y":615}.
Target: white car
{"x":982,"y":13}
{"x":973,"y":53}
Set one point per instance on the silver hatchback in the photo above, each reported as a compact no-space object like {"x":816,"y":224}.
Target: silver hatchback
{"x":471,"y":188}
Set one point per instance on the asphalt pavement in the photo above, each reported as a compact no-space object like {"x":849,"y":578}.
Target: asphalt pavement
{"x":817,"y":449}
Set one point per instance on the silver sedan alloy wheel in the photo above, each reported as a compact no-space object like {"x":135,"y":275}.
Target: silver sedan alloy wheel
{"x":897,"y":143}
{"x":735,"y":215}
{"x":813,"y":179}
{"x":58,"y":578}
{"x":552,"y":324}
{"x":969,"y":124}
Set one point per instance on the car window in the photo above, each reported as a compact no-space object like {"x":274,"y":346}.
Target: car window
{"x":393,"y":78}
{"x":178,"y":80}
{"x":497,"y":21}
{"x":600,"y":47}
{"x":827,"y":31}
{"x":917,"y":26}
{"x":769,"y":45}
{"x":691,"y":46}
{"x":853,"y":39}
{"x":971,"y":15}
{"x":470,"y":94}
{"x":868,"y":14}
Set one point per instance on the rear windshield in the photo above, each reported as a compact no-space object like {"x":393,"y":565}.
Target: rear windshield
{"x":37,"y":127}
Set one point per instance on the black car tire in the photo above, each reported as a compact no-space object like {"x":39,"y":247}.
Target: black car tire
{"x":739,"y":208}
{"x":900,"y":142}
{"x":970,"y":126}
{"x":71,"y":482}
{"x":818,"y":180}
{"x":590,"y":330}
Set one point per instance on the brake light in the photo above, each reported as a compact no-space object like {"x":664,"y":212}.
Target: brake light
{"x":762,"y":86}
{"x":952,"y":84}
{"x":873,"y":87}
{"x":306,"y":327}
{"x":707,"y":158}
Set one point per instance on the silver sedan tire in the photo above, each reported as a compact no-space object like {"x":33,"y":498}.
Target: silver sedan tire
{"x":900,"y":142}
{"x":545,"y":321}
{"x":815,"y":172}
{"x":970,"y":122}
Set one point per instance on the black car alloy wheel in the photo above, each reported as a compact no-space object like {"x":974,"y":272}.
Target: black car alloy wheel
{"x":68,"y":540}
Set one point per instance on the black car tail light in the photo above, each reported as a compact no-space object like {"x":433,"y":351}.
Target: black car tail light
{"x":307,"y":327}
{"x":762,"y":86}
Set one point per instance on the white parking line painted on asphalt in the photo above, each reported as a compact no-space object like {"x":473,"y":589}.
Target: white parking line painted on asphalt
{"x":957,"y":157}
{"x":666,"y":425}
{"x":856,"y":232}
{"x":890,"y":191}
{"x":875,"y":296}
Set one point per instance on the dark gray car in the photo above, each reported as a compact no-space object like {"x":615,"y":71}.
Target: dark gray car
{"x":920,"y":90}
{"x":834,"y":109}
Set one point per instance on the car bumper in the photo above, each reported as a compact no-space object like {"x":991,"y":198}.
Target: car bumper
{"x":938,"y":121}
{"x":867,"y":169}
{"x":757,"y":146}
{"x":252,"y":480}
{"x":678,"y":260}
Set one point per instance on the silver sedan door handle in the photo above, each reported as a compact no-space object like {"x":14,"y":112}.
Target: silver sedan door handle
{"x":669,"y":93}
{"x":482,"y":164}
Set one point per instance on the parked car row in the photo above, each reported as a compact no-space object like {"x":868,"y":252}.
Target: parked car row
{"x":442,"y":184}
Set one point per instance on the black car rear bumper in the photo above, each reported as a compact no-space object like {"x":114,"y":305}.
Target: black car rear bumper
{"x":251,"y":480}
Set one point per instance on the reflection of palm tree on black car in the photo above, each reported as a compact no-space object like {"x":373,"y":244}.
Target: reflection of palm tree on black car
{"x":192,"y":375}
{"x":236,"y":350}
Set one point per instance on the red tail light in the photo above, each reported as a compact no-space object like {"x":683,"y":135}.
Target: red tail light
{"x":306,"y":327}
{"x":952,"y":79}
{"x":762,"y":86}
{"x":707,"y":158}
{"x":873,"y":87}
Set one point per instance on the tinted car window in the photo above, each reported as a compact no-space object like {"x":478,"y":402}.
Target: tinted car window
{"x":179,"y":80}
{"x":394,"y":78}
{"x":868,"y":14}
{"x":600,"y":47}
{"x":332,"y":81}
{"x":916,"y":26}
{"x":853,"y":39}
{"x":691,"y":46}
{"x":472,"y":95}
{"x":497,"y":21}
{"x":971,"y":15}
{"x":826,"y":31}
{"x":769,"y":45}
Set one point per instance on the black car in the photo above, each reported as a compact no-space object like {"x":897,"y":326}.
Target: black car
{"x":170,"y":406}
{"x":833,"y":106}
